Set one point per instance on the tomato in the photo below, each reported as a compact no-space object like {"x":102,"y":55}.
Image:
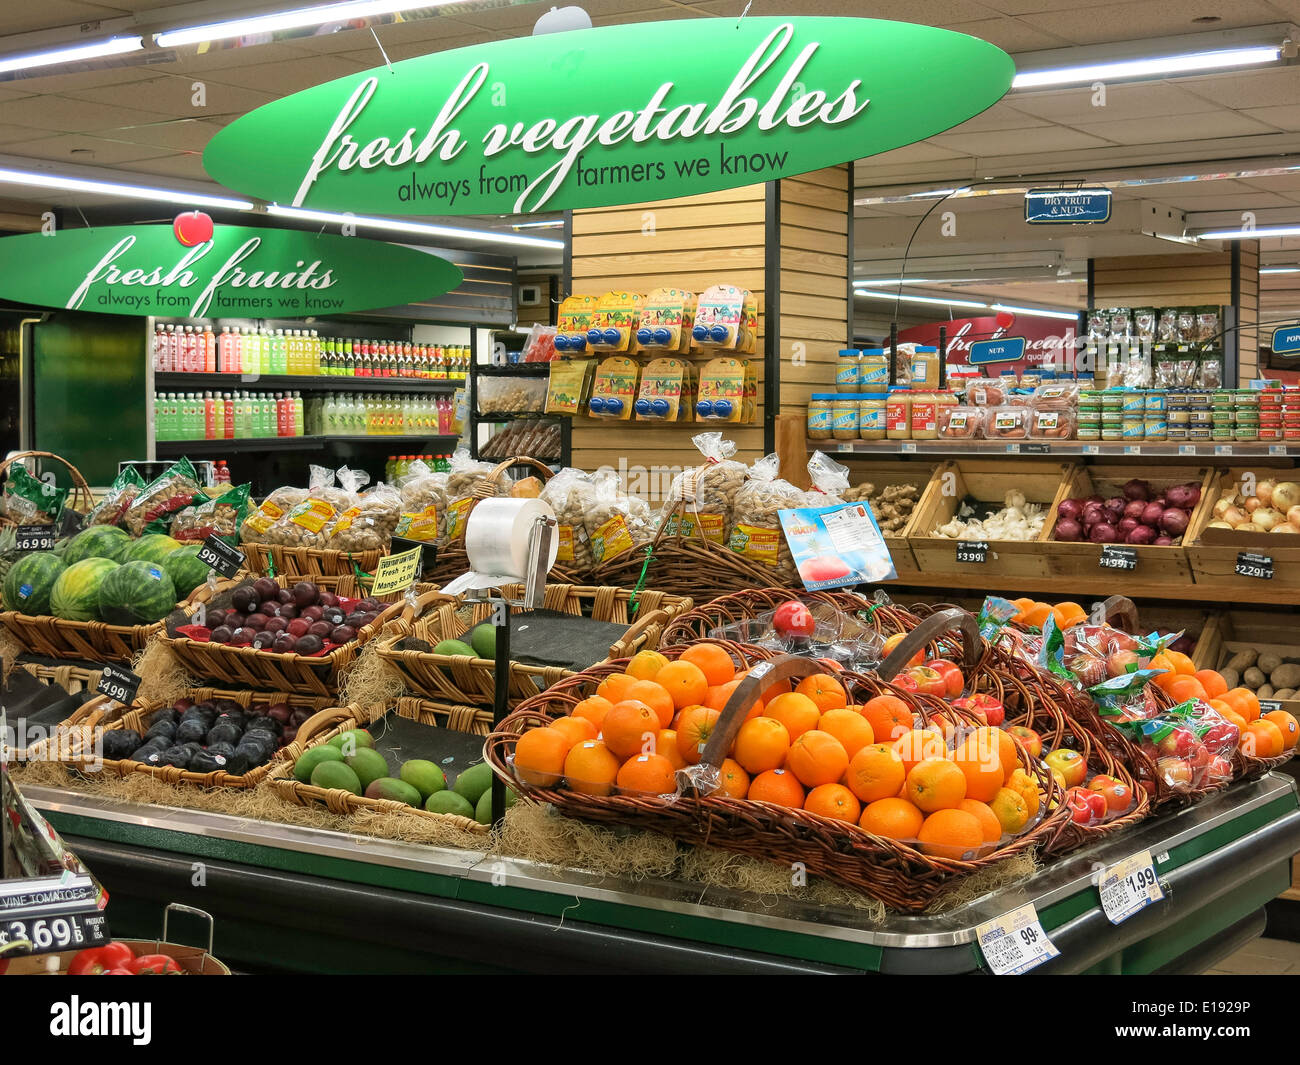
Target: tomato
{"x":792,"y":618}
{"x":928,"y":681}
{"x":95,"y":961}
{"x":119,"y":972}
{"x":952,"y":677}
{"x":154,"y":965}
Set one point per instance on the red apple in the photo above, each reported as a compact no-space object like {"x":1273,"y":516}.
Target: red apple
{"x":951,"y":674}
{"x":1218,"y":769}
{"x":192,"y":227}
{"x":1032,"y":741}
{"x":792,"y":618}
{"x":985,"y":707}
{"x":1177,"y":743}
{"x":1119,"y":663}
{"x":1118,"y":795}
{"x":929,"y":681}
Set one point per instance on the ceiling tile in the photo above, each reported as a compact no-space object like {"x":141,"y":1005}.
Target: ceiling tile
{"x":1091,"y":24}
{"x":1251,"y":200}
{"x":1012,"y":35}
{"x":1029,"y":7}
{"x":1189,"y":127}
{"x":1256,"y":88}
{"x":928,"y":12}
{"x":1287,"y":118}
{"x":106,"y":152}
{"x":60,"y":114}
{"x":181,"y":165}
{"x":24,"y":18}
{"x":921,"y":152}
{"x":1287,"y":184}
{"x":190,"y":134}
{"x":85,"y":79}
{"x":1047,"y":139}
{"x":1073,"y":106}
{"x":1001,"y":116}
{"x":188,"y":61}
{"x":283,"y":78}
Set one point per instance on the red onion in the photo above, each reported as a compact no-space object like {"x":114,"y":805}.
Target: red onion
{"x":1102,"y":533}
{"x":1070,"y":508}
{"x":1184,"y":496}
{"x":1093,"y":514}
{"x":1113,"y":514}
{"x":1152,"y":513}
{"x":1136,"y":489}
{"x":1134,"y":508}
{"x":1174,"y":522}
{"x":1115,"y":503}
{"x":1069,"y":529}
{"x":1127,"y":525}
{"x":1141,"y":534}
{"x":1163,"y":541}
{"x":1094,"y":499}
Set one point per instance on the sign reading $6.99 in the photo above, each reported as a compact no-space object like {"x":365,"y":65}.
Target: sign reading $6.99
{"x":620,"y":114}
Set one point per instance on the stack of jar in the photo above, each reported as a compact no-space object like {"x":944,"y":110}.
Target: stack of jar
{"x":1279,"y":414}
{"x":866,"y":407}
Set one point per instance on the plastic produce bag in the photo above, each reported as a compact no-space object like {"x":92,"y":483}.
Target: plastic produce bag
{"x":423,"y":495}
{"x":368,"y":524}
{"x":174,"y":489}
{"x":30,"y":501}
{"x":118,"y":499}
{"x":616,"y":522}
{"x":220,"y":517}
{"x":700,"y":501}
{"x":569,"y":494}
{"x":756,"y":529}
{"x":464,"y":478}
{"x":1190,"y":744}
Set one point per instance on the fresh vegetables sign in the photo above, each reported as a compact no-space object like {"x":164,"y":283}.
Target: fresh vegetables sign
{"x":598,"y":117}
{"x":195,"y":269}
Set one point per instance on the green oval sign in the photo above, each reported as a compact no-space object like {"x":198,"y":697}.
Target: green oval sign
{"x":598,"y":117}
{"x":193,"y":269}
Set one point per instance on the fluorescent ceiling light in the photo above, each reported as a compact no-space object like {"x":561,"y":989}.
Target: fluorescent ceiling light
{"x":488,"y":236}
{"x":1250,"y":234}
{"x":112,"y":188}
{"x":287,"y":20}
{"x":916,"y":299}
{"x":554,"y":223}
{"x":1279,"y":269}
{"x":1038,"y":312}
{"x":1155,"y":66}
{"x":72,"y":54}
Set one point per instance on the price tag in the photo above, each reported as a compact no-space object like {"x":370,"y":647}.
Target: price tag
{"x":219,"y":555}
{"x":396,"y":573}
{"x":44,"y":935}
{"x":1129,"y":886}
{"x":35,"y":537}
{"x":1132,"y":449}
{"x":1277,"y":449}
{"x":1013,"y":449}
{"x":976,"y":551}
{"x":1091,"y":449}
{"x":118,"y":682}
{"x":1035,"y":449}
{"x":1267,"y":706}
{"x":1187,"y":449}
{"x":1250,"y":564}
{"x":1015,"y":942}
{"x":1115,"y":557}
{"x":909,"y":447}
{"x":428,"y":552}
{"x":1223,"y":449}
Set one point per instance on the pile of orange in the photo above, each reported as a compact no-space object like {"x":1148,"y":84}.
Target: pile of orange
{"x":800,"y":746}
{"x":1034,"y":615}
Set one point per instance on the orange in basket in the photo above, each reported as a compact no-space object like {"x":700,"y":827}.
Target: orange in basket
{"x":778,"y":786}
{"x":713,"y":662}
{"x":645,"y":664}
{"x":888,"y":716}
{"x":685,"y":682}
{"x":1183,"y":688}
{"x":626,"y":725}
{"x":540,"y":755}
{"x":655,"y":697}
{"x":576,"y":729}
{"x":1036,"y":616}
{"x":1287,"y":725}
{"x":918,"y":744}
{"x":824,"y":690}
{"x":979,"y":757}
{"x":1244,"y":701}
{"x":936,"y":784}
{"x":984,"y":814}
{"x":666,"y":744}
{"x":615,"y":686}
{"x":593,"y":709}
{"x":875,"y":772}
{"x":1212,"y":681}
{"x":951,"y":834}
{"x":795,"y":711}
{"x":734,"y":780}
{"x":1262,"y":739}
{"x":893,"y":818}
{"x":817,"y":758}
{"x":1069,"y":614}
{"x":648,"y":774}
{"x":834,"y":801}
{"x":694,"y":728}
{"x":591,"y":768}
{"x":761,"y":744}
{"x":849,"y":727}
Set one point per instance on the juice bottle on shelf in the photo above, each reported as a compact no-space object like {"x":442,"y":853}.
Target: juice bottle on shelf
{"x":218,"y":416}
{"x":209,"y":417}
{"x":329,"y":414}
{"x":390,"y":474}
{"x":228,"y":415}
{"x":223,"y":472}
{"x":159,"y":430}
{"x":298,"y":429}
{"x":301,"y":357}
{"x":313,"y":353}
{"x":195,"y":339}
{"x":209,"y":349}
{"x":270,"y":420}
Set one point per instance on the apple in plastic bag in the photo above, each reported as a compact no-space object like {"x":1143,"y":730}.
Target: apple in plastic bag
{"x":792,"y":618}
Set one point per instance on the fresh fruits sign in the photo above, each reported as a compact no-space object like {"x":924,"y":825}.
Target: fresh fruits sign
{"x":194,"y":269}
{"x":546,"y":123}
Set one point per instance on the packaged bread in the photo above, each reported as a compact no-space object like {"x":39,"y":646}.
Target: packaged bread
{"x":699,"y":501}
{"x":756,"y":524}
{"x":569,"y":494}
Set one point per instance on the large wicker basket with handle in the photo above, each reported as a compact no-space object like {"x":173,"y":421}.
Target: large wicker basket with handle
{"x":308,"y":563}
{"x":893,"y":871}
{"x":80,"y":498}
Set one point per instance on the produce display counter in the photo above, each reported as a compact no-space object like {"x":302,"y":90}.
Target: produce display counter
{"x":294,"y":898}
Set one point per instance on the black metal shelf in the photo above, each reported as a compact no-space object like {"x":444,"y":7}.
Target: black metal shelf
{"x":518,"y":416}
{"x":177,"y":448}
{"x":514,"y":369}
{"x":189,"y":382}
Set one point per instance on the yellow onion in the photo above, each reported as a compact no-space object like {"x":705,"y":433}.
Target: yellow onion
{"x":1284,"y":527}
{"x":1250,"y":526}
{"x":1233,"y":516}
{"x":1264,"y":490}
{"x":1286,"y":495}
{"x":1267,"y":517}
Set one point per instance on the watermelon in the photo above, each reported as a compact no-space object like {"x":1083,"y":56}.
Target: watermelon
{"x":76,"y":592}
{"x":99,"y":541}
{"x":185,"y":569}
{"x":136,"y":593}
{"x":29,"y":582}
{"x":151,"y":547}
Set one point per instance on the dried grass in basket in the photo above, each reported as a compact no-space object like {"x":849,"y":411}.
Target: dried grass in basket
{"x":436,"y":617}
{"x":268,"y":670}
{"x":79,"y":498}
{"x":897,"y":874}
{"x":95,"y":641}
{"x":308,"y":563}
{"x":452,"y":559}
{"x":85,"y":762}
{"x":338,"y":801}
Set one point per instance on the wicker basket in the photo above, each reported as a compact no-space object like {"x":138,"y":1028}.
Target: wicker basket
{"x":338,"y":801}
{"x":72,"y":679}
{"x":308,"y":563}
{"x":80,"y":498}
{"x":98,"y":709}
{"x":269,"y":671}
{"x":894,"y":872}
{"x":94,"y":641}
{"x":463,"y":679}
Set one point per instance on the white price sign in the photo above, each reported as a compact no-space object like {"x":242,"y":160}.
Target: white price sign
{"x":1015,"y":942}
{"x":1129,"y":886}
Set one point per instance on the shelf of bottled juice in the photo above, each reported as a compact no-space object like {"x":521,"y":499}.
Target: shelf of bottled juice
{"x":398,"y":466}
{"x":381,"y":414}
{"x":300,"y":352}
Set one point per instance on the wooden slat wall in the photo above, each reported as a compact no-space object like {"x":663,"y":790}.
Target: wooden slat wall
{"x":1248,"y":314}
{"x":1163,"y":280}
{"x":693,"y":242}
{"x":815,"y":311}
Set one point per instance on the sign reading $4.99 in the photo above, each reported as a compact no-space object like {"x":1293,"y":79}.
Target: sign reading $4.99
{"x":620,"y":114}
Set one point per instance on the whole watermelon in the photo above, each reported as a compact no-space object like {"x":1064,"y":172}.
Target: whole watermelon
{"x":185,"y":569}
{"x":30,"y":581}
{"x":99,"y":541}
{"x":136,"y":593}
{"x":76,"y":592}
{"x":151,"y":547}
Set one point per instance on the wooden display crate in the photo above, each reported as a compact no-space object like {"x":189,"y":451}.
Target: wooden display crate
{"x":988,"y":481}
{"x":1153,"y":563}
{"x":1230,"y":631}
{"x":888,"y":474}
{"x":1213,"y":552}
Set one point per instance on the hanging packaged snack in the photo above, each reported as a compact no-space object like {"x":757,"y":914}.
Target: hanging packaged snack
{"x":720,"y":317}
{"x":1098,"y":323}
{"x":1210,"y":368}
{"x":220,"y":517}
{"x":1144,"y":324}
{"x":31,"y":501}
{"x":665,"y":386}
{"x":616,"y":522}
{"x":614,"y":392}
{"x":1166,"y":366}
{"x":1121,"y":322}
{"x":572,"y":322}
{"x":118,"y":499}
{"x":1208,"y":325}
{"x":540,"y":345}
{"x":700,"y":501}
{"x":614,"y":320}
{"x":756,"y":522}
{"x":569,"y":494}
{"x":569,"y":385}
{"x":175,"y":488}
{"x":666,"y":319}
{"x":1167,"y":326}
{"x":725,"y":387}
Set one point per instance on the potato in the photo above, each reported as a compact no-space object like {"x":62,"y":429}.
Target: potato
{"x":1243,"y":659}
{"x":1284,"y":693}
{"x":1230,"y":677}
{"x":1265,"y":692}
{"x":1254,"y":679}
{"x":1268,"y":661}
{"x":1285,"y":676}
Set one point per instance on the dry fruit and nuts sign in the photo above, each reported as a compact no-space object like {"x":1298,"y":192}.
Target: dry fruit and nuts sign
{"x":619,"y":114}
{"x":195,"y":269}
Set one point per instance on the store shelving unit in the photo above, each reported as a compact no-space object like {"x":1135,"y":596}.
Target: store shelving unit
{"x":512,"y":343}
{"x":252,"y":446}
{"x":877,"y":449}
{"x":203,"y":382}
